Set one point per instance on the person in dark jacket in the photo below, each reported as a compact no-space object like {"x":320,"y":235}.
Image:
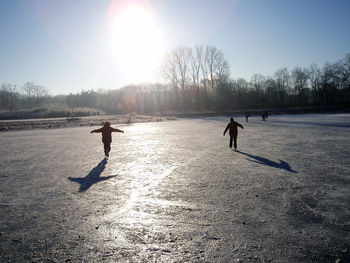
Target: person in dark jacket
{"x":247,"y":114}
{"x":232,"y":127}
{"x":106,"y":131}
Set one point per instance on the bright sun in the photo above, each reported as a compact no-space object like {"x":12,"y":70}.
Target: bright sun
{"x":137,"y":42}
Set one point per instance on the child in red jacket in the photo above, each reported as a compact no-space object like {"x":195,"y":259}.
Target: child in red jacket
{"x":107,"y":136}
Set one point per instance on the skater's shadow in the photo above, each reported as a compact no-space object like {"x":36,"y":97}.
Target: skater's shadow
{"x":261,"y":160}
{"x":92,"y":178}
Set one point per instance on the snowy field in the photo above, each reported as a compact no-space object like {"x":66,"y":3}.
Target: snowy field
{"x":175,"y":192}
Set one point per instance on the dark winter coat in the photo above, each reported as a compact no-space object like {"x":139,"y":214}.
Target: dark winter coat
{"x":107,"y":133}
{"x":232,"y":127}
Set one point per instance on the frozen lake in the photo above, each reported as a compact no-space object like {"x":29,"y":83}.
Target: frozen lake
{"x":175,"y":192}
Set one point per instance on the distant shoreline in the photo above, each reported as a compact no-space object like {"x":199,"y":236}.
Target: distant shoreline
{"x":69,"y":122}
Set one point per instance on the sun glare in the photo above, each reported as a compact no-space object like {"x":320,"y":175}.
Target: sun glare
{"x":136,"y":40}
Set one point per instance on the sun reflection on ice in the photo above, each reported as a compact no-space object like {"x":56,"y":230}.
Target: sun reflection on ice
{"x":142,"y":162}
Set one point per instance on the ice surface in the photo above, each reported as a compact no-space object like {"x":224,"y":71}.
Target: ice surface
{"x":175,"y":191}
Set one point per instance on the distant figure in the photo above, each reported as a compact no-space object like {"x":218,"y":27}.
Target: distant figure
{"x":107,"y":136}
{"x":232,"y":126}
{"x":263,"y":116}
{"x":247,"y":114}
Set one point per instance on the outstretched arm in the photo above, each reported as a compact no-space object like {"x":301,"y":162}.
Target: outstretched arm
{"x":117,"y":130}
{"x":240,"y":125}
{"x":97,"y":130}
{"x":227,"y":127}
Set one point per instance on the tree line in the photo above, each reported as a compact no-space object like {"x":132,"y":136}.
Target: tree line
{"x":27,"y":96}
{"x":198,"y":78}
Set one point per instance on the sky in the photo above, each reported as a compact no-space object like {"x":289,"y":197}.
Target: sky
{"x":70,"y":46}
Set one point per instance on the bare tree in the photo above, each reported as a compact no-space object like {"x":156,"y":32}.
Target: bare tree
{"x":241,"y":88}
{"x":314,"y":75}
{"x":176,"y":70}
{"x":218,"y":70}
{"x":182,"y":57}
{"x":218,"y":67}
{"x":39,"y":91}
{"x":29,"y":90}
{"x":71,"y":101}
{"x":342,"y":70}
{"x":272,"y":92}
{"x":196,"y":64}
{"x":210,"y":58}
{"x":299,"y":79}
{"x":196,"y":60}
{"x":222,"y":68}
{"x":257,"y":82}
{"x":282,"y":78}
{"x":8,"y":95}
{"x":329,"y":85}
{"x":129,"y":96}
{"x":204,"y":80}
{"x":170,"y":74}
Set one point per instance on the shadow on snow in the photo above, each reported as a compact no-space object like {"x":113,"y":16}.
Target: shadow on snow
{"x":93,"y":177}
{"x":261,"y":160}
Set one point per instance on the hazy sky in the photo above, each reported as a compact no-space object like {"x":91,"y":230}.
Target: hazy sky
{"x":69,"y":46}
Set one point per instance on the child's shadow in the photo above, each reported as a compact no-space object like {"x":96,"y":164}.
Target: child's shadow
{"x":92,"y":178}
{"x":261,"y":160}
